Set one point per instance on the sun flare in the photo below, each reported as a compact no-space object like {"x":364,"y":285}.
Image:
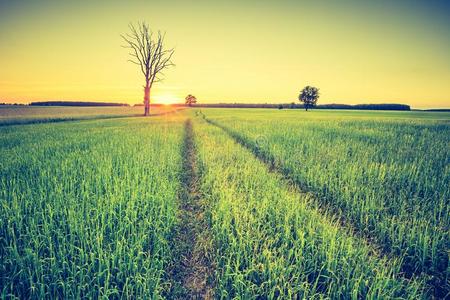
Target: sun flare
{"x":166,"y":99}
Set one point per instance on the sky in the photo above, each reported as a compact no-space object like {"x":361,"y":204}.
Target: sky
{"x":354,"y":51}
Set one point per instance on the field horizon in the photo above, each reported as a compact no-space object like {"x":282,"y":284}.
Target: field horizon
{"x":228,"y":203}
{"x":173,"y":149}
{"x":216,"y":104}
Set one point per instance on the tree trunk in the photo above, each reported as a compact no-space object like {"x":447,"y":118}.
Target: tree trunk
{"x":147,"y":100}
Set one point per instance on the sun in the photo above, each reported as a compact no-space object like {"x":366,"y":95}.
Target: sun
{"x":166,"y":99}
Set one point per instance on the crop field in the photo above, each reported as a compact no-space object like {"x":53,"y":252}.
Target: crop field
{"x":227,"y":204}
{"x":16,"y":115}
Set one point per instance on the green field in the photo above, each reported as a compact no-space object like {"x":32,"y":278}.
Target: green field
{"x":226,"y":203}
{"x":17,"y":115}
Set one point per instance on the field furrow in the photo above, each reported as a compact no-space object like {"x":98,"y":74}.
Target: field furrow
{"x":226,"y":204}
{"x":191,"y":270}
{"x":378,"y":176}
{"x":272,"y":241}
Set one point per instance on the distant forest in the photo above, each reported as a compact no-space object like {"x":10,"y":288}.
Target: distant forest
{"x":76,"y":103}
{"x":385,"y":106}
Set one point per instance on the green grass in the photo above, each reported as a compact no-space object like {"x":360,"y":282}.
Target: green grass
{"x":387,"y":177}
{"x":16,"y":115}
{"x":87,"y":208}
{"x":357,"y":206}
{"x":272,"y":242}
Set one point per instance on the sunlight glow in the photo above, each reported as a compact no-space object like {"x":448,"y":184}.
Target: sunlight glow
{"x":166,"y":99}
{"x":230,"y":51}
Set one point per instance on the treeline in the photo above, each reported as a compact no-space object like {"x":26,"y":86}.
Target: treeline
{"x":11,"y":104}
{"x":75,"y":103}
{"x":386,"y":106}
{"x":382,"y":106}
{"x":438,"y":109}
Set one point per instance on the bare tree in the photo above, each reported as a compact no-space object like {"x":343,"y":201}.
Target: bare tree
{"x":148,"y":52}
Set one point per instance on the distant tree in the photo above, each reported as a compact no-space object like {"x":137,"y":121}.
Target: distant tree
{"x":309,"y":96}
{"x":148,"y":52}
{"x":280,"y":106}
{"x":190,"y":99}
{"x":292,"y":106}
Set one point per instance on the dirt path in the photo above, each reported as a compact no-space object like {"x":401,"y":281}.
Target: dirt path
{"x":192,"y":271}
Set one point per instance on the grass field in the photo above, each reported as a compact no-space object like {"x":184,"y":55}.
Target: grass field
{"x":87,"y":208}
{"x":16,"y":115}
{"x":227,"y":203}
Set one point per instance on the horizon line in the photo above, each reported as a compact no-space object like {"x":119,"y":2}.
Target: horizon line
{"x":9,"y":102}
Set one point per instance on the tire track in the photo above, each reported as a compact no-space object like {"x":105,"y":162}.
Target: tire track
{"x":191,"y":271}
{"x":377,"y":250}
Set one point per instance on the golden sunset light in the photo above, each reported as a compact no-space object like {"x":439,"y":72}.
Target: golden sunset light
{"x":225,"y":149}
{"x":167,"y":99}
{"x":230,"y":51}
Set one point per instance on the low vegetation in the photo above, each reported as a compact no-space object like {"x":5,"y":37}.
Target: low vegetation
{"x":17,"y":115}
{"x":388,"y":179}
{"x":87,"y":209}
{"x":226,"y":204}
{"x":272,"y":242}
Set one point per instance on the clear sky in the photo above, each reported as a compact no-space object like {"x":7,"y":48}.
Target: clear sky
{"x":230,"y":51}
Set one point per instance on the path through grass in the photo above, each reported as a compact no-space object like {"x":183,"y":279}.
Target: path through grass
{"x":191,"y":271}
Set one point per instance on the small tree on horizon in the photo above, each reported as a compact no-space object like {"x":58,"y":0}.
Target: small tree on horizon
{"x":309,"y":96}
{"x":148,"y":52}
{"x":190,"y":99}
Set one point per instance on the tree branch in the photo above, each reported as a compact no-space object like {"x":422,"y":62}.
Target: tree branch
{"x":148,"y":52}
